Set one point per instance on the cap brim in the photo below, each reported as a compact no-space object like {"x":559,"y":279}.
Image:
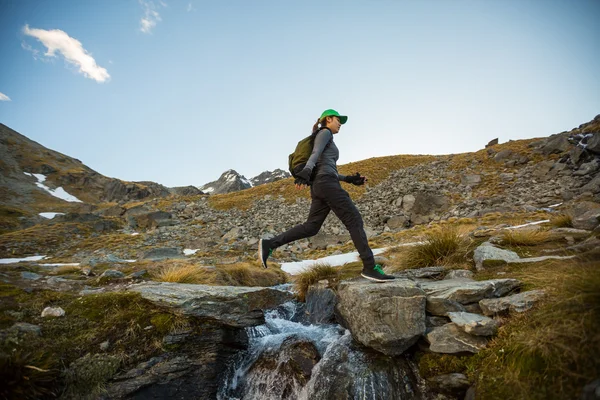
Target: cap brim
{"x":343,"y":119}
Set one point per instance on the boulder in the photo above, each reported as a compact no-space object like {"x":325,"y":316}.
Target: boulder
{"x":519,"y":302}
{"x":236,"y":306}
{"x":452,"y":384}
{"x":470,"y":180}
{"x":152,"y":219}
{"x":467,"y":291}
{"x":489,"y":252}
{"x":555,"y":144}
{"x":53,"y":312}
{"x":441,"y":307}
{"x":163,"y":253}
{"x":593,"y":143}
{"x":586,"y":215}
{"x":459,"y":274}
{"x":389,"y":317}
{"x":320,"y":304}
{"x":450,"y":339}
{"x":474,"y":324}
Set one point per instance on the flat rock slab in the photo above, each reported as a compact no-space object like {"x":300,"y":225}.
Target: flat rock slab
{"x":487,"y":251}
{"x":388,"y":317}
{"x":474,"y":324}
{"x":450,"y":339}
{"x":465,"y":291}
{"x":519,"y":302}
{"x":237,"y":306}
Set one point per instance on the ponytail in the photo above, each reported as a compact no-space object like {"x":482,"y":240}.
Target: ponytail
{"x":316,"y":126}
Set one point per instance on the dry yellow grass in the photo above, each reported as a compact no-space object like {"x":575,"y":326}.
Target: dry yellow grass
{"x":66,"y":269}
{"x":443,"y":246}
{"x":185,"y":273}
{"x":550,"y":352}
{"x":249,"y":274}
{"x":313,"y":275}
{"x":525,"y":237}
{"x":562,"y":221}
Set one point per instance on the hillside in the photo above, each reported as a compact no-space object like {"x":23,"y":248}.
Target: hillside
{"x":129,"y":275}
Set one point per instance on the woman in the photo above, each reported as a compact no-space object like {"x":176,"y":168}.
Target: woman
{"x":327,"y":194}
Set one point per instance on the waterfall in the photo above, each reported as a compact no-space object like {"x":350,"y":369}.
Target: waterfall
{"x":291,"y":359}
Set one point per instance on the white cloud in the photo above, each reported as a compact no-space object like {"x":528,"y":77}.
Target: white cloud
{"x":70,"y":48}
{"x":4,"y":97}
{"x":151,"y":16}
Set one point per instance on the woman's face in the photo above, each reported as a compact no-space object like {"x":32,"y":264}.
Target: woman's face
{"x":334,"y":124}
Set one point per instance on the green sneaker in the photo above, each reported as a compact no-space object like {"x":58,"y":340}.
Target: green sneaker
{"x":264,"y":251}
{"x":376,"y":274}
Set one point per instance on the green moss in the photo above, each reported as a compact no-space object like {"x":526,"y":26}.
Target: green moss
{"x":163,"y":322}
{"x":87,"y":374}
{"x":433,"y":364}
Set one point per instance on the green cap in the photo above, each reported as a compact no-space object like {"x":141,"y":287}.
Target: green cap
{"x":333,"y":113}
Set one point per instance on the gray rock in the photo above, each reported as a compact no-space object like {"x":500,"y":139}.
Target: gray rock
{"x":503,"y":155}
{"x":433,"y":320}
{"x":426,"y":272}
{"x":320,"y":304}
{"x":236,"y":306}
{"x":470,"y":180}
{"x":112,"y":274}
{"x":53,"y":312}
{"x":397,"y":222}
{"x":586,"y":215}
{"x":587,"y":168}
{"x":487,"y":251}
{"x":592,"y":186}
{"x":519,"y":302}
{"x":408,"y":202}
{"x":459,"y":274}
{"x":450,"y":383}
{"x":556,"y":144}
{"x":474,"y":324}
{"x":104,"y":345}
{"x":465,"y":291}
{"x":450,"y":339}
{"x":24,"y":327}
{"x":163,"y":253}
{"x":441,"y":306}
{"x":491,"y":143}
{"x":32,"y":276}
{"x":593,"y":143}
{"x":233,"y":234}
{"x":387,"y":317}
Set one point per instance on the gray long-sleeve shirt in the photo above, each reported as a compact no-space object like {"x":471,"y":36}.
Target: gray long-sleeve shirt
{"x":324,"y":155}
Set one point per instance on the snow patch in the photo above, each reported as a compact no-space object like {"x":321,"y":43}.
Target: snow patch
{"x":528,"y":224}
{"x":16,"y":260}
{"x":294,"y":268}
{"x":189,"y":252}
{"x":58,"y":192}
{"x":50,"y":215}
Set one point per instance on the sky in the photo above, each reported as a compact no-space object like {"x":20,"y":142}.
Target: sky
{"x":179,"y":91}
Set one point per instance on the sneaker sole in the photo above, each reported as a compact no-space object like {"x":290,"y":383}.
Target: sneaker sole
{"x":375,"y":279}
{"x":260,"y":254}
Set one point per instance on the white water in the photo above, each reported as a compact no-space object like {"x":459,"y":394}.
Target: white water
{"x":343,"y":367}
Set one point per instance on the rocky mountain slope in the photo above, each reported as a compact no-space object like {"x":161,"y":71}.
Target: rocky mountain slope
{"x":162,"y":297}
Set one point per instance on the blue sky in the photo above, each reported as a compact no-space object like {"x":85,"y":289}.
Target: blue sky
{"x":178,"y":91}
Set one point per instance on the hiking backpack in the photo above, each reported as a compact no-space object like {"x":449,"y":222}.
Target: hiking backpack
{"x":298,"y":159}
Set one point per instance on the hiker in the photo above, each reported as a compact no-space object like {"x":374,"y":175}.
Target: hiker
{"x":320,"y":173}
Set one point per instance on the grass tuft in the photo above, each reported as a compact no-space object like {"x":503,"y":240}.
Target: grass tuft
{"x":313,"y":275}
{"x":186,"y":273}
{"x":562,"y":221}
{"x":441,"y":247}
{"x":28,"y":375}
{"x":525,"y":237}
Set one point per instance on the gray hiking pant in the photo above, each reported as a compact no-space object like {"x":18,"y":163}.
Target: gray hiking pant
{"x":327,"y":195}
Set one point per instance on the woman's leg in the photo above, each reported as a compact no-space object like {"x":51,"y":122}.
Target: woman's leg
{"x":318,"y":212}
{"x":341,"y":204}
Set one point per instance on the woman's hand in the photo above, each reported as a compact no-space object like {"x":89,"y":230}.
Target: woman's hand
{"x":356,"y":179}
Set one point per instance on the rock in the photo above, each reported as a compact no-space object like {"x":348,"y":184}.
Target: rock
{"x":459,"y":274}
{"x":491,"y":143}
{"x":32,"y":276}
{"x":426,"y":272}
{"x":441,"y":307}
{"x":474,"y":324}
{"x":138,"y":274}
{"x":519,"y":302}
{"x":586,"y":215}
{"x":466,"y":292}
{"x":587,"y":168}
{"x":233,"y":234}
{"x":388,"y":317}
{"x":53,"y":312}
{"x":236,"y":306}
{"x":593,"y":143}
{"x":24,"y":327}
{"x":320,"y":304}
{"x":152,"y":219}
{"x":450,"y":339}
{"x":487,"y":251}
{"x":408,"y":201}
{"x":555,"y":144}
{"x":397,"y":222}
{"x":503,"y":155}
{"x":284,"y":370}
{"x":104,"y":345}
{"x":111,"y":274}
{"x":452,"y":384}
{"x":163,"y":253}
{"x":432,"y":321}
{"x":591,"y":391}
{"x":470,"y":180}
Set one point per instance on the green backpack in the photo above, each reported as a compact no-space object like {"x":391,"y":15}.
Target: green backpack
{"x":298,"y":159}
